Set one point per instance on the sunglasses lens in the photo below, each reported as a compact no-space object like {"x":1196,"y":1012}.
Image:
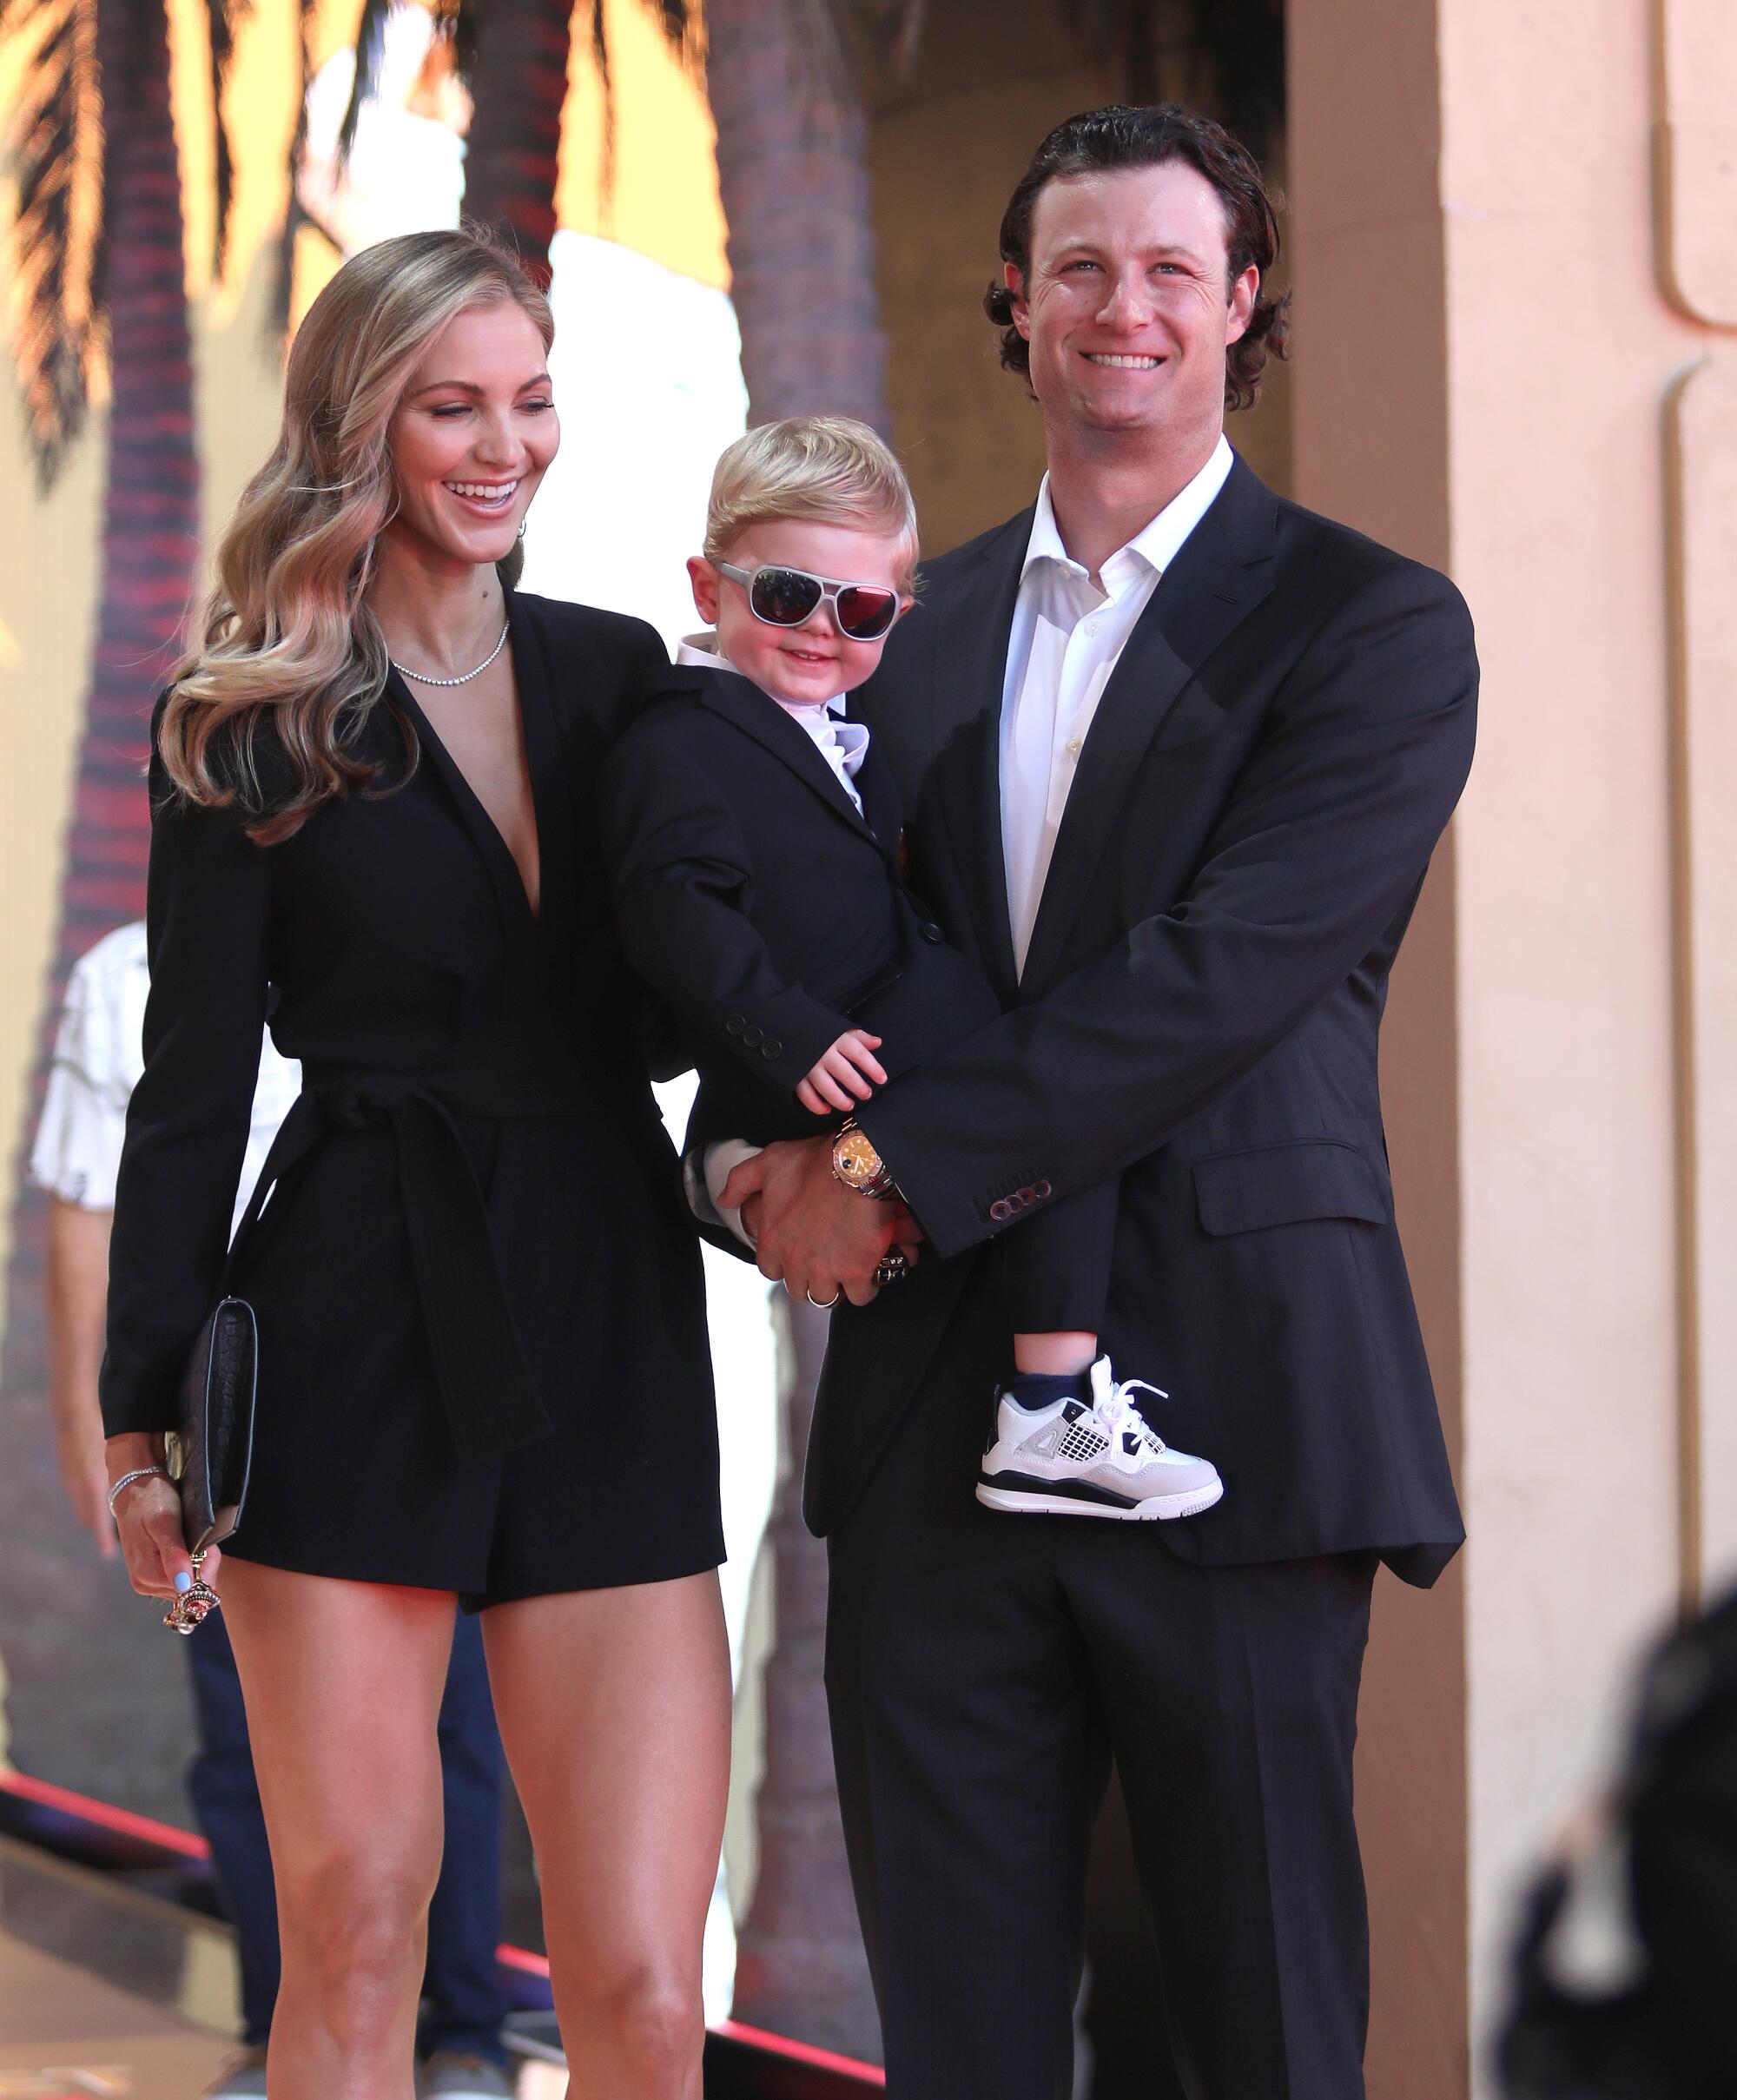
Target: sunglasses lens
{"x":865,"y":612}
{"x":783,"y":597}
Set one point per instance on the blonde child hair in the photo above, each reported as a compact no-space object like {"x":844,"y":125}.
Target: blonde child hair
{"x":827,"y":468}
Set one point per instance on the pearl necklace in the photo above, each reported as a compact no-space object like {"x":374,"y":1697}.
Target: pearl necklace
{"x":423,"y":679}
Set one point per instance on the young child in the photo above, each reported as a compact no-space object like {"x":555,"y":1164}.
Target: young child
{"x":754,"y":833}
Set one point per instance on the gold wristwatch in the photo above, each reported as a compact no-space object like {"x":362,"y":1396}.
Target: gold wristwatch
{"x":856,"y":1165}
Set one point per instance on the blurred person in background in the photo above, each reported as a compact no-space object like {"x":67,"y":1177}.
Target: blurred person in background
{"x":98,"y":1057}
{"x":1627,"y":1956}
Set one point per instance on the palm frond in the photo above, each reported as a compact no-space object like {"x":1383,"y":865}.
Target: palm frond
{"x":221,"y":18}
{"x":55,"y":146}
{"x":281,"y":290}
{"x":370,"y":44}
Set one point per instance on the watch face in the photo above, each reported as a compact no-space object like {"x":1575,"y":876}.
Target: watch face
{"x":857,"y":1159}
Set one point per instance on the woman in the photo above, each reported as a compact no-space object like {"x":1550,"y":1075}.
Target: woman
{"x":483,"y":1366}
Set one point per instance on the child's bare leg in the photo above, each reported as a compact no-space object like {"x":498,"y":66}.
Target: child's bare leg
{"x":1061,"y":1355}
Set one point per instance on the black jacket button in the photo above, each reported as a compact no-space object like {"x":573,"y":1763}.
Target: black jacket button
{"x":751,"y":1036}
{"x":1040,"y":1189}
{"x":771,"y":1047}
{"x":735,"y":1025}
{"x":1001,"y":1208}
{"x":931,"y":932}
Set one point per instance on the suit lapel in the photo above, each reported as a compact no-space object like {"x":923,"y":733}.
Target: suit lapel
{"x":881,"y":804}
{"x":756,"y":715}
{"x":1222,"y":573}
{"x":971,"y":663}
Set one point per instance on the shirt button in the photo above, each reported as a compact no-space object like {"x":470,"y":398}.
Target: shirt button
{"x":1091,"y":627}
{"x":1073,"y":747}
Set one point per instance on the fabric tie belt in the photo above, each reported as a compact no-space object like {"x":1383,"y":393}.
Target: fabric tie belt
{"x":491,"y":1400}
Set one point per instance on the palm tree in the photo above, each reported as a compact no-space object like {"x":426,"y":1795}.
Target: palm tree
{"x":513,"y":55}
{"x":100,"y":281}
{"x":103,"y":278}
{"x":793,"y":175}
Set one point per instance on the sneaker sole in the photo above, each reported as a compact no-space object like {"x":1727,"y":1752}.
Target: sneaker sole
{"x":1156,"y":1509}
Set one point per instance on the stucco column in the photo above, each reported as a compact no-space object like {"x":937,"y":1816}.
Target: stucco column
{"x":1511,"y":363}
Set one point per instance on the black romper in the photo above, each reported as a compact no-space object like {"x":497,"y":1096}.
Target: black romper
{"x":483,"y":1356}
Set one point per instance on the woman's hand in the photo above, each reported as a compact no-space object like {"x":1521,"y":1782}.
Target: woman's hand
{"x":147,"y":1518}
{"x":847,"y":1073}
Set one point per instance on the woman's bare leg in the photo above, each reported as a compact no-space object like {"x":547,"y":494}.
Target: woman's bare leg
{"x":614,"y":1707}
{"x":342,"y":1683}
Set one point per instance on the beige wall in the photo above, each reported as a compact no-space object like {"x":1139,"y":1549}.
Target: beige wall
{"x":1494,"y":336}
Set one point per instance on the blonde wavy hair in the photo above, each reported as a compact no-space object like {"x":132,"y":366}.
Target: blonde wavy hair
{"x":289,"y":642}
{"x":829,"y":469}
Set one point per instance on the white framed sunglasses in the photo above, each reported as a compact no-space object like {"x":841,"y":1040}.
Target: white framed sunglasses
{"x":785,"y":597}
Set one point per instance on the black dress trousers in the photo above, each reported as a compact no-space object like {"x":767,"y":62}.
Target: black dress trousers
{"x":981,"y":1673}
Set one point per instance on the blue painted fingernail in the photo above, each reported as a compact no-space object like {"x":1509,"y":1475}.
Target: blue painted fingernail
{"x":183,"y":1582}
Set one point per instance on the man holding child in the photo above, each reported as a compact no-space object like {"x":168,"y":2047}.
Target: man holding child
{"x":1172,"y":756}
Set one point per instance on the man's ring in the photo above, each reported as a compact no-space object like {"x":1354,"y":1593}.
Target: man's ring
{"x":891,"y":1266}
{"x":824,"y":1303}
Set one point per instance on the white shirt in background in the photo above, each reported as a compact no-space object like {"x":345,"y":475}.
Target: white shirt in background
{"x":99,"y":1054}
{"x":1066,"y":637}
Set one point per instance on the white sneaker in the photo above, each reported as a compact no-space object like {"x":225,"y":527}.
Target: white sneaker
{"x":1101,"y":1460}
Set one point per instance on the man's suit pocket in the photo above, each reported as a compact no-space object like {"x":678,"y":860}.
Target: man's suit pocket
{"x":1287,"y":1183}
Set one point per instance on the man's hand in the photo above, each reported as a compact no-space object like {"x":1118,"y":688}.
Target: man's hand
{"x":811,"y":1234}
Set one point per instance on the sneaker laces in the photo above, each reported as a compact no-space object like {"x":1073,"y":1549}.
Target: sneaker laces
{"x":1118,"y":1413}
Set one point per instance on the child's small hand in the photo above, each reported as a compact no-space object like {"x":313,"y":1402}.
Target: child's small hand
{"x":848,"y":1073}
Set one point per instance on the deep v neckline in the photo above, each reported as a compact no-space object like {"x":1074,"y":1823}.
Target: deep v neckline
{"x":499,"y":855}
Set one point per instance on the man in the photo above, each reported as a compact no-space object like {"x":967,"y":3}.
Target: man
{"x":1178,"y":754}
{"x":99,"y":1054}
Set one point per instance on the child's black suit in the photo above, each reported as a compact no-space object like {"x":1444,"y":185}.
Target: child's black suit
{"x":772,"y":917}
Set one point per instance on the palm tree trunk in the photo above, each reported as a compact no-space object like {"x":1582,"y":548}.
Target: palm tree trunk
{"x":150,"y":527}
{"x":793,"y":173}
{"x":519,"y":83}
{"x":150,"y":521}
{"x":794,"y":179}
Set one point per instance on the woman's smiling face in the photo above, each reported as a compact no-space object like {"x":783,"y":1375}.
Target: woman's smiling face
{"x":472,"y":437}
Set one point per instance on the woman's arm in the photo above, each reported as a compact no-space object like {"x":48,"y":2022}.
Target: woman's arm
{"x":208,"y":898}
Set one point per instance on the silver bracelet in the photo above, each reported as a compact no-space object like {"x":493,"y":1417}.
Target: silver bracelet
{"x":127,"y":1480}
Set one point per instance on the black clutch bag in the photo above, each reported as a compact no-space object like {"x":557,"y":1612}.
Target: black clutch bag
{"x":211,"y":1454}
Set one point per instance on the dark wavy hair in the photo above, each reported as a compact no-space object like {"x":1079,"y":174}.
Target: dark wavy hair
{"x":1120,"y":137}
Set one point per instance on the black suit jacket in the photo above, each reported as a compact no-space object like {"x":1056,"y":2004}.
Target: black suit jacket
{"x":1281,"y":743}
{"x":767,"y":912}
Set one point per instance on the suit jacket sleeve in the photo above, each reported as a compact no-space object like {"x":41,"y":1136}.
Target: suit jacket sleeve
{"x":1320,"y":849}
{"x":683,"y":876}
{"x":208,"y":902}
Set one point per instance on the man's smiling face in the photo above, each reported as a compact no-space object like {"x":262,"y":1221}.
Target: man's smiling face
{"x":1128,"y":305}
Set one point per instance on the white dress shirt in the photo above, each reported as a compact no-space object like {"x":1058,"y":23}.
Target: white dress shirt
{"x":842,"y":744}
{"x":99,"y":1054}
{"x":1066,"y":637}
